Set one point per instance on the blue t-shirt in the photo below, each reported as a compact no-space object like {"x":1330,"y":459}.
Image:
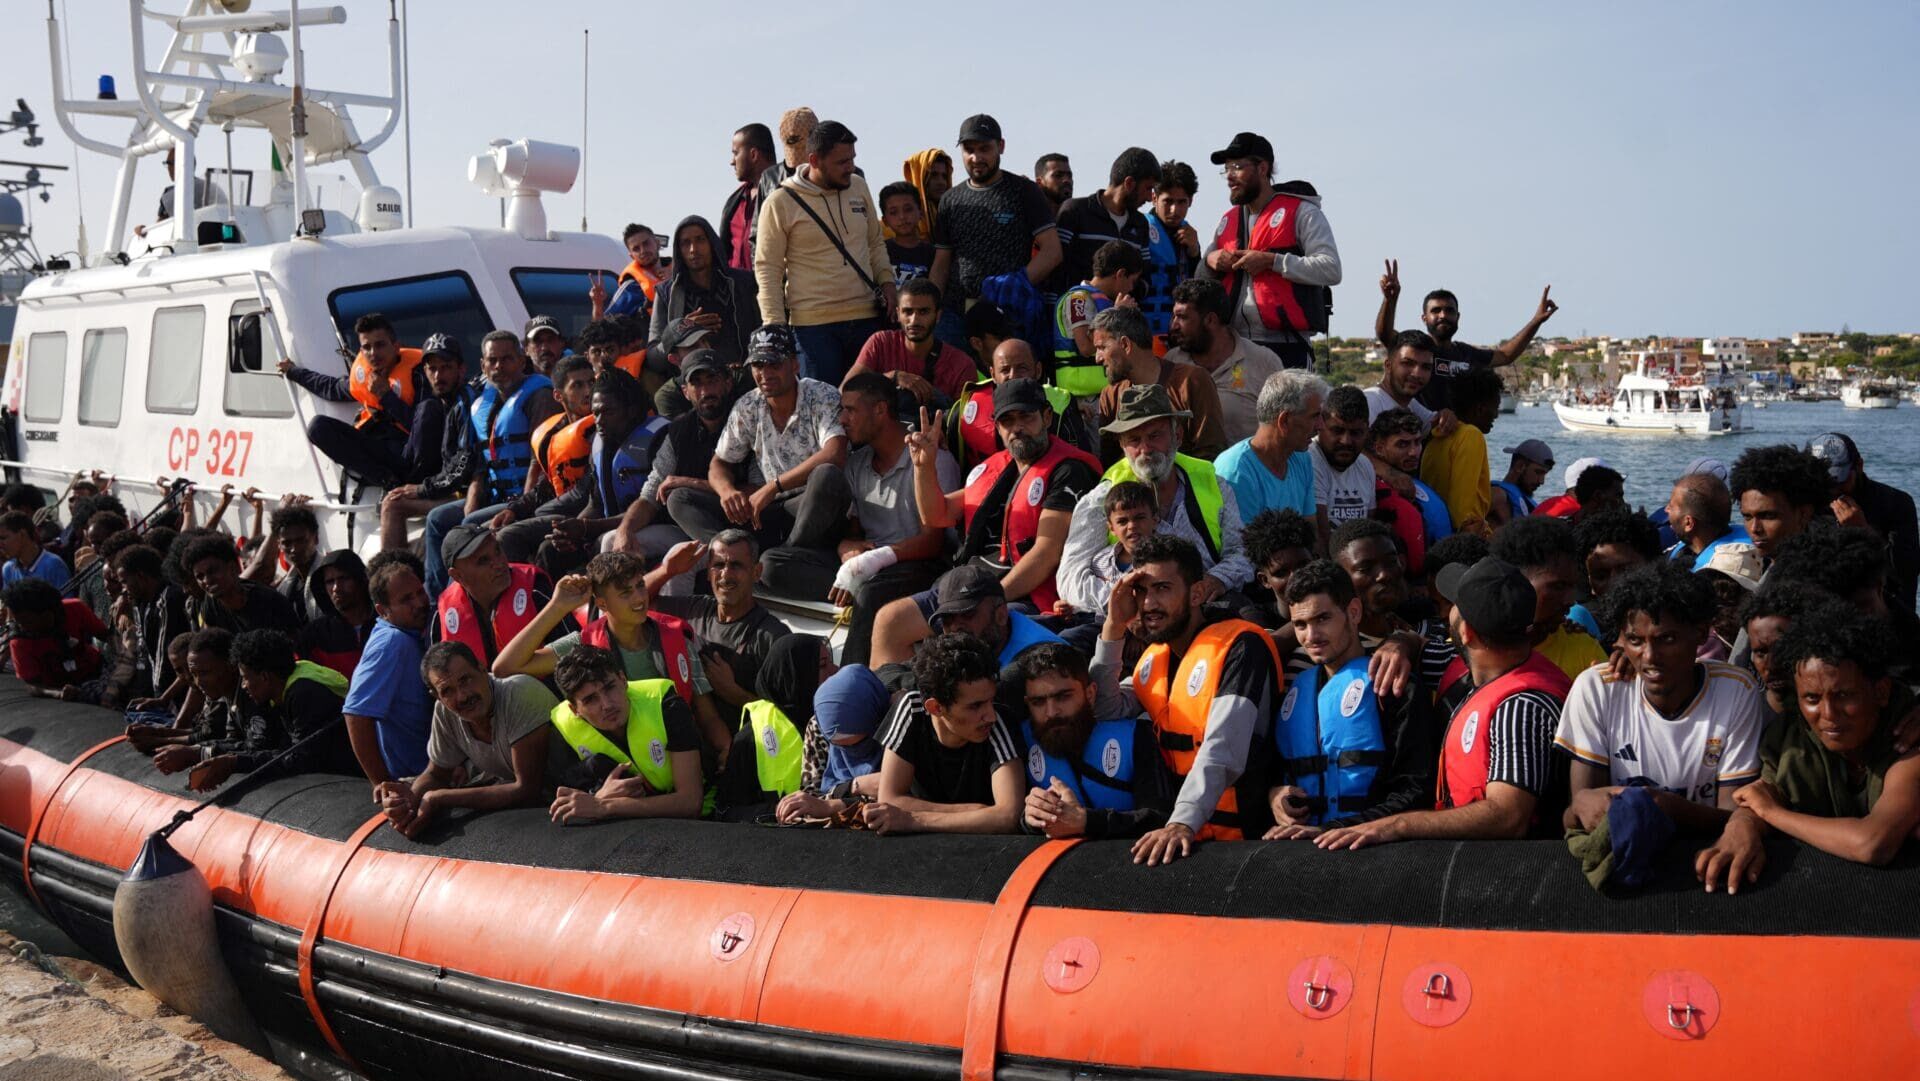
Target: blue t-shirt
{"x":387,"y":686}
{"x":1257,"y":489}
{"x":48,"y":568}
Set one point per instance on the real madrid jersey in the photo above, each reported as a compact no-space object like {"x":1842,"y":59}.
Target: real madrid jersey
{"x":1715,"y":741}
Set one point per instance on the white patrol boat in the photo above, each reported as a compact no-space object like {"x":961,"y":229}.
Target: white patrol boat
{"x":160,"y":355}
{"x":1656,"y":399}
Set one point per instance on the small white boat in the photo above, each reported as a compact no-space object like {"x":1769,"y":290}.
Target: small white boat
{"x":1869,"y":396}
{"x":1658,"y":402}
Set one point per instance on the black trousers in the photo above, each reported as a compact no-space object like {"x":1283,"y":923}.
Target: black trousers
{"x":375,"y":455}
{"x":808,"y":573}
{"x":813,"y":517}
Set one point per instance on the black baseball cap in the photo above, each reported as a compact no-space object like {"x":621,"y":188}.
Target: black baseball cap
{"x":542,"y":324}
{"x":961,"y":590}
{"x":771,"y":344}
{"x":701,"y":360}
{"x":461,"y":542}
{"x":1493,"y":597}
{"x":1019,"y":396}
{"x":979,"y":128}
{"x":1244,"y":145}
{"x":444,"y":345}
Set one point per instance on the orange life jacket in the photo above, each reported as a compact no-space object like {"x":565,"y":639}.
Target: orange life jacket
{"x":631,"y":363}
{"x":363,"y":384}
{"x":1177,"y":702}
{"x":561,"y":447}
{"x":674,"y":639}
{"x":512,"y":612}
{"x":648,"y":283}
{"x":1464,"y":756}
{"x":1022,"y":515}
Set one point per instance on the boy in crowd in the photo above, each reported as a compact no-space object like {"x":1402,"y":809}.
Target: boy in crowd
{"x":637,"y":738}
{"x":286,"y":701}
{"x":951,"y":765}
{"x":20,"y":543}
{"x":228,"y":600}
{"x":1689,"y":730}
{"x":907,"y":245}
{"x":1133,"y":513}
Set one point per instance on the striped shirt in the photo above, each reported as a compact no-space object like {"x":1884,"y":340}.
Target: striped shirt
{"x":1520,"y":741}
{"x":943,"y":774}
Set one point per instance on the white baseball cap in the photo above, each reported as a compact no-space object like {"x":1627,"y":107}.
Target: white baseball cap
{"x":1578,"y":467}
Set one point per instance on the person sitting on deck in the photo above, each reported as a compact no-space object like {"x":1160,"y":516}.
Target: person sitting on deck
{"x":1087,"y":777}
{"x":20,"y":543}
{"x":287,"y":700}
{"x":1830,"y":777}
{"x":388,"y":712}
{"x":51,"y":640}
{"x":1545,"y":551}
{"x":495,"y":730}
{"x":951,"y":765}
{"x":1496,"y":761}
{"x":735,"y":631}
{"x":489,"y":600}
{"x":396,"y":435}
{"x":1689,"y":730}
{"x":650,"y":645}
{"x":229,"y":601}
{"x":636,"y":736}
{"x":1346,"y":752}
{"x":764,"y":763}
{"x":342,"y":612}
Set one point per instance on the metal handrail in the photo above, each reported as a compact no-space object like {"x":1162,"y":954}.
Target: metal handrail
{"x":147,"y":485}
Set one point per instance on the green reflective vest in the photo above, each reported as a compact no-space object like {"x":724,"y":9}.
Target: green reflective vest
{"x":319,"y":673}
{"x":1203,"y":493}
{"x":776,"y":748}
{"x":646,"y":733}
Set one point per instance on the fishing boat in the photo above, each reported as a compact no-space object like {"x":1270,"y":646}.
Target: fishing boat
{"x":502,"y":946}
{"x":1865,"y":394}
{"x":1655,"y":399}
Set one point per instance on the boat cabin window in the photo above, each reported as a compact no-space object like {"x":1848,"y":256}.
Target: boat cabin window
{"x":103,"y":376}
{"x":46,"y":377}
{"x":561,"y":293}
{"x":174,"y":359}
{"x":255,"y":387}
{"x":434,"y":304}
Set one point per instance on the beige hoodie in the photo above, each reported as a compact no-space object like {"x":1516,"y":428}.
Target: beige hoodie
{"x":803,"y":280}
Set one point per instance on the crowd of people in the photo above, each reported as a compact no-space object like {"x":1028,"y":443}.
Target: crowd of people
{"x":1112,"y":559}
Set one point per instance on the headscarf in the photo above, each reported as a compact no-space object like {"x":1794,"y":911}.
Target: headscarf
{"x":796,"y":125}
{"x":851,"y":702}
{"x":915,"y":170}
{"x":790,"y":675}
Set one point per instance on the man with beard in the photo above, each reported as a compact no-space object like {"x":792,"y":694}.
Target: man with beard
{"x":701,"y":302}
{"x":1393,"y":443}
{"x":820,"y":257}
{"x":1273,"y":252}
{"x":1053,"y":173}
{"x":751,"y":155}
{"x":1124,"y":348}
{"x":934,"y":372}
{"x":1440,"y":311}
{"x":634,"y":288}
{"x":1346,"y":752}
{"x":1089,"y":778}
{"x":1209,"y":688}
{"x":544,"y":343}
{"x":1527,"y":469}
{"x":1408,"y":370}
{"x":1016,"y":505}
{"x":735,"y":633}
{"x":995,"y":224}
{"x":679,"y":468}
{"x":1201,"y":333}
{"x":1194,"y":504}
{"x":1343,"y":478}
{"x":970,"y":432}
{"x":888,"y":551}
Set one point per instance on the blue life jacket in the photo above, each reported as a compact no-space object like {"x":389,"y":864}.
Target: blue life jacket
{"x":507,"y":443}
{"x":1022,"y":632}
{"x":620,"y":478}
{"x":1163,"y":273}
{"x":1518,"y":502}
{"x":1734,"y":535}
{"x":1435,"y":520}
{"x":1330,"y":739}
{"x":1103,"y":775}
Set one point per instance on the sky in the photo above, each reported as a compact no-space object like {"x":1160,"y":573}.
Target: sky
{"x":1668,"y":168}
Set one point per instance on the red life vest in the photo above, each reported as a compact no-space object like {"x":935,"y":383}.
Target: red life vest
{"x":1463,"y":757}
{"x":363,"y":385}
{"x":512,"y":612}
{"x":1283,"y":304}
{"x":673,"y":647}
{"x":978,"y":436}
{"x":1022,"y":521}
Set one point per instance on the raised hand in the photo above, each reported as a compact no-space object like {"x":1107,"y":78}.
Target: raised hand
{"x":1547,"y":307}
{"x":572,"y":591}
{"x":923,"y":444}
{"x":1390,"y":281}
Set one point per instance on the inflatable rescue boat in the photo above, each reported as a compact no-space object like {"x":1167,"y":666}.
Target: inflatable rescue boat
{"x":503,"y":946}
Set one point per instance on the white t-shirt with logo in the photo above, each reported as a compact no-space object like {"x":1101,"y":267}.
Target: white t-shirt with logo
{"x":1379,"y":401}
{"x":1714,"y":742}
{"x":1347,"y":494}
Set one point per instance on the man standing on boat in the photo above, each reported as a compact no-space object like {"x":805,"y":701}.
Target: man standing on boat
{"x":1440,"y":311}
{"x":1273,"y":253}
{"x":1860,"y":500}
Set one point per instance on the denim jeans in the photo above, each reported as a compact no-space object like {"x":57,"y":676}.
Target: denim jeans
{"x":827,"y":351}
{"x":440,"y":522}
